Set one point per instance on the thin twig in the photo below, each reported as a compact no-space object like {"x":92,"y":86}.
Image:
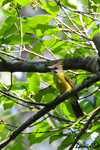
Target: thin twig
{"x":72,"y":30}
{"x":89,"y":94}
{"x":7,"y":54}
{"x":49,"y":51}
{"x":21,"y":37}
{"x":91,"y":42}
{"x":23,"y":100}
{"x":29,"y":51}
{"x":72,"y":22}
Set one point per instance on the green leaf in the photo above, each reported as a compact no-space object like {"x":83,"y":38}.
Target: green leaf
{"x":10,"y":26}
{"x":1,"y":127}
{"x":19,"y":137}
{"x":83,"y":51}
{"x":18,"y":86}
{"x":87,"y":19}
{"x":98,"y":102}
{"x":68,"y":3}
{"x":16,"y":39}
{"x":87,"y":107}
{"x":17,"y":146}
{"x":46,"y":77}
{"x":60,"y":45}
{"x":34,"y":82}
{"x":76,"y":19}
{"x":11,"y":12}
{"x":40,"y":46}
{"x":1,"y":1}
{"x":41,"y":30}
{"x":94,"y":32}
{"x":80,"y":78}
{"x":96,"y":1}
{"x":39,"y":133}
{"x":6,"y":1}
{"x":86,"y":2}
{"x":11,"y":20}
{"x":8,"y":104}
{"x":41,"y":93}
{"x":34,"y":21}
{"x":95,"y":127}
{"x":55,"y":137}
{"x":66,"y":142}
{"x":53,"y":122}
{"x":67,"y":109}
{"x":58,"y":111}
{"x":51,"y":7}
{"x":48,"y":97}
{"x":85,"y":135}
{"x":23,"y":3}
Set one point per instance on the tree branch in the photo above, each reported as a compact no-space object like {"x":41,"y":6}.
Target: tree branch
{"x":15,"y":65}
{"x":51,"y":105}
{"x":21,"y":99}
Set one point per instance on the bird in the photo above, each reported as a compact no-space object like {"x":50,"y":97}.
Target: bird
{"x":64,"y":83}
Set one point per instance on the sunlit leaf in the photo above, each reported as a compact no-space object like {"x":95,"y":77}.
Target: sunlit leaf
{"x":34,"y":82}
{"x":51,"y":7}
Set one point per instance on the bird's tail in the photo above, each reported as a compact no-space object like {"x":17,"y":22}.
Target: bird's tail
{"x":77,"y":110}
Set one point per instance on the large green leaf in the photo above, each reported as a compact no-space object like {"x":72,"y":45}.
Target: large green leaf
{"x":51,"y":7}
{"x":18,"y":86}
{"x":40,"y":133}
{"x":67,"y":109}
{"x":16,"y":39}
{"x":46,"y":77}
{"x":10,"y":26}
{"x":55,"y":137}
{"x":66,"y":142}
{"x":34,"y":82}
{"x":60,"y":45}
{"x":41,"y":30}
{"x":87,"y":107}
{"x":8,"y":104}
{"x":42,"y":92}
{"x":76,"y":19}
{"x":48,"y":97}
{"x":34,"y":21}
{"x":95,"y":128}
{"x":85,"y":135}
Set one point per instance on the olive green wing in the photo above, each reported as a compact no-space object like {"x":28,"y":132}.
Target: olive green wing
{"x":76,"y":108}
{"x":69,"y":80}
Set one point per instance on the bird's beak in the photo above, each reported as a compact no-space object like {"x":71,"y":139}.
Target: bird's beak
{"x":50,"y":67}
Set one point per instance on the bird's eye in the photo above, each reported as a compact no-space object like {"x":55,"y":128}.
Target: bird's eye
{"x":55,"y":68}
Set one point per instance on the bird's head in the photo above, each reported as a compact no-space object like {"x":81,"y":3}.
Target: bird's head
{"x":56,"y":68}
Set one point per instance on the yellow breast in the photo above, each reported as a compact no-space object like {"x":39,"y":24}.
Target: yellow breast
{"x":61,"y":83}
